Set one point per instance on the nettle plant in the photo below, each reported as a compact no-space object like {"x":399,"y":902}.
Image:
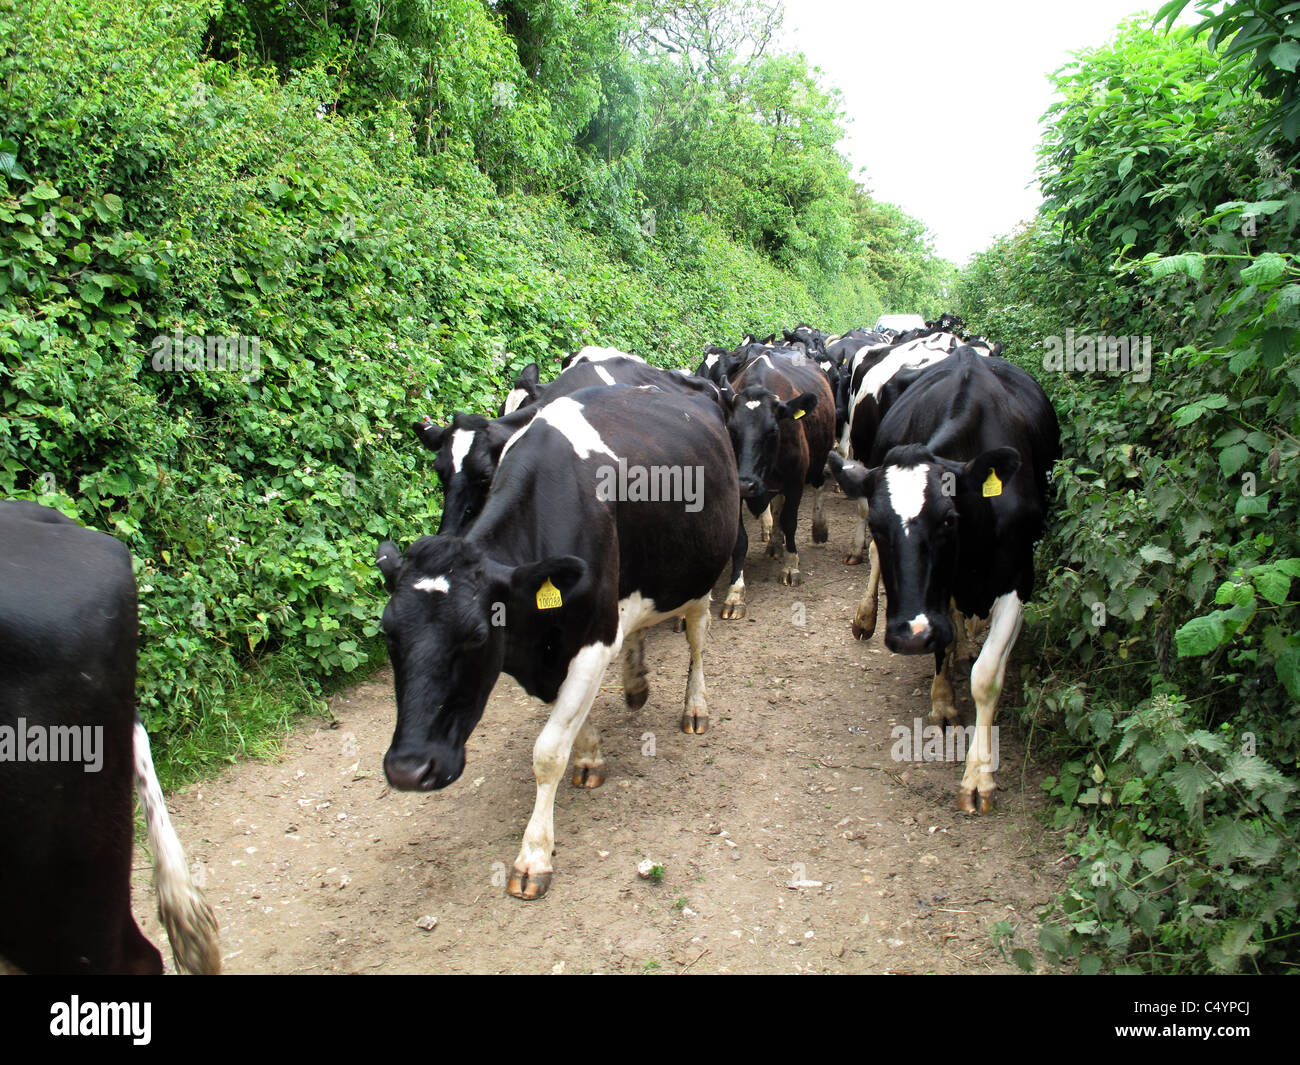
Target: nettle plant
{"x":1248,"y":418}
{"x":1197,"y":860}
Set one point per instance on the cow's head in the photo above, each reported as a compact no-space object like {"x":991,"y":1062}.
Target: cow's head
{"x":755,"y":423}
{"x":445,"y":624}
{"x":468,"y":451}
{"x":916,"y":505}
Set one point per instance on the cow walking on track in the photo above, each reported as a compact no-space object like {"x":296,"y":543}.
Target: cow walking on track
{"x":958,"y":494}
{"x":576,"y":551}
{"x":781,"y":419}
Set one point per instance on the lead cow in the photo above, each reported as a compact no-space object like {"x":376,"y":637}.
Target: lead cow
{"x":560,"y":573}
{"x":957,"y":493}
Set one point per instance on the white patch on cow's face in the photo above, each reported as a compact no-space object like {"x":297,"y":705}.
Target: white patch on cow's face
{"x":906,"y":488}
{"x":919,"y":624}
{"x":433,"y":584}
{"x":752,"y":404}
{"x":461,"y":439}
{"x":566,"y":415}
{"x":516,"y":397}
{"x":604,"y":375}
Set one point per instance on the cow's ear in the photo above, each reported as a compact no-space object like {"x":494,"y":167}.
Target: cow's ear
{"x":430,"y":435}
{"x":389,"y":561}
{"x":857,"y":481}
{"x":988,"y":473}
{"x":770,"y":338}
{"x":555,"y":582}
{"x":797,"y":407}
{"x":529,"y":377}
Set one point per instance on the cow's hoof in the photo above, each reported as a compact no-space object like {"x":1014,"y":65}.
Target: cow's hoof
{"x":820,"y":533}
{"x":970,"y":801}
{"x":695,"y":722}
{"x":775,"y":549}
{"x":852,"y":560}
{"x":679,"y":624}
{"x":861,"y":632}
{"x":588,"y":776}
{"x":636,"y":699}
{"x":733,"y":611}
{"x":792,"y":577}
{"x":528,"y":886}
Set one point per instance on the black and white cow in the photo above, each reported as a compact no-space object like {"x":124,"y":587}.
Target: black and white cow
{"x":880,"y":372}
{"x":781,"y":420}
{"x":67,"y":681}
{"x":841,"y":352}
{"x":957,"y":483}
{"x":566,"y":566}
{"x":468,"y":448}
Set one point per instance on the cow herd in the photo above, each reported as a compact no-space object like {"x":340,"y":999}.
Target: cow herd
{"x":539,"y":572}
{"x":592,"y":507}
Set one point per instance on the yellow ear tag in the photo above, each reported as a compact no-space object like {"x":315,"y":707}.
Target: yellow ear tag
{"x":798,"y":414}
{"x":992,"y":486}
{"x":548,"y":596}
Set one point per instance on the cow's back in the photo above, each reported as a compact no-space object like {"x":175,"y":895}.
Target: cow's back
{"x":566,"y":483}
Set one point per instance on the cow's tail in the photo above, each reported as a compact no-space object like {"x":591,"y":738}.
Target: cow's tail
{"x":184,"y":911}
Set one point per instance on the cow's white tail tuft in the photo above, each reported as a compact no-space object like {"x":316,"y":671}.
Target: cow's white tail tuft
{"x":184,"y":911}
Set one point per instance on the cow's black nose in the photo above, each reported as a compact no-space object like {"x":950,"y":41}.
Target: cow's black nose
{"x":424,"y":767}
{"x":909,"y":638}
{"x":749,"y":487}
{"x":411,"y":772}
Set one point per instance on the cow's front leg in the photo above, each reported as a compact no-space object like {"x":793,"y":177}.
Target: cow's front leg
{"x":734,"y":608}
{"x":961,"y":648}
{"x":765,"y":525}
{"x":864,"y":618}
{"x":986,"y":686}
{"x":775,"y":544}
{"x":789,"y":520}
{"x":695,"y":718}
{"x":854,"y":557}
{"x":943,"y":708}
{"x":531,"y":875}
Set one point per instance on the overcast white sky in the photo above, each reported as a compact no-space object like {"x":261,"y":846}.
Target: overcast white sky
{"x":943,"y":98}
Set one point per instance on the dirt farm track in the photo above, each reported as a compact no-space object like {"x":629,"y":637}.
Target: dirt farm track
{"x":790,"y":841}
